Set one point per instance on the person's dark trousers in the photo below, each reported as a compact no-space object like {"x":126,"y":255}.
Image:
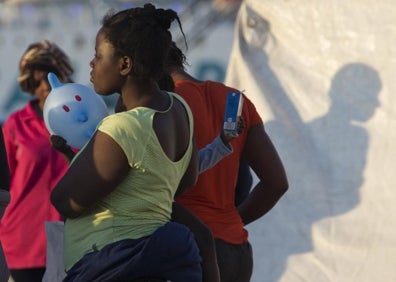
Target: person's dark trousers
{"x":235,"y":261}
{"x":28,"y":274}
{"x":170,"y":253}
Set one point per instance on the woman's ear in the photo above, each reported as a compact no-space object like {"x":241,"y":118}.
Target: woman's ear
{"x":125,"y":65}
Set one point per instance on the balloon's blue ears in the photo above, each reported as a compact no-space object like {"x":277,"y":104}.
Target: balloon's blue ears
{"x":53,"y":80}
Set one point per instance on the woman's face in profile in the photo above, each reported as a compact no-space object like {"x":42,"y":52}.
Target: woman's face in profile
{"x":106,"y":67}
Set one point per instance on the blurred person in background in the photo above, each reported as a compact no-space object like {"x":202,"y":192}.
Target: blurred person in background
{"x":35,"y":166}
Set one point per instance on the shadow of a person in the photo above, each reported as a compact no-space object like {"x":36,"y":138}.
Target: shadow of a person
{"x":339,"y":138}
{"x":324,"y":158}
{"x":333,"y":172}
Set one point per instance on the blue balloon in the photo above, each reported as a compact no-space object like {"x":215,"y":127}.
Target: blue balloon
{"x":73,"y":111}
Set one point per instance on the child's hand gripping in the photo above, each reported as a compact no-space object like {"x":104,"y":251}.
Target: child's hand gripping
{"x":60,"y":144}
{"x":226,"y":137}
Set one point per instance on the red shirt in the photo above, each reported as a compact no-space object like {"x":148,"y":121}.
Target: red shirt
{"x":212,"y":198}
{"x":35,"y":168}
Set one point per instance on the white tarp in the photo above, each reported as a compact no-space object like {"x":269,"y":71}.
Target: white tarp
{"x":323,"y":76}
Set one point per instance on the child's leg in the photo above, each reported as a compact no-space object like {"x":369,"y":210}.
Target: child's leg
{"x":204,"y":239}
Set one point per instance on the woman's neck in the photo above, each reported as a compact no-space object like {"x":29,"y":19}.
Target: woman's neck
{"x":146,"y":95}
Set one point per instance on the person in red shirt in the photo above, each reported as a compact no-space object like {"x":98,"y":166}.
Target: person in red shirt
{"x":35,"y":166}
{"x":212,"y":198}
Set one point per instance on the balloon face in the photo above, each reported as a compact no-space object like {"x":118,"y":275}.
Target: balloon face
{"x":73,"y":111}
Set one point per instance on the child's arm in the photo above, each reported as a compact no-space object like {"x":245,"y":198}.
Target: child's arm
{"x":220,"y":147}
{"x":212,"y":153}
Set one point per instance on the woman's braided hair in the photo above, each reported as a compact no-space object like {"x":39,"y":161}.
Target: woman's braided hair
{"x":45,"y":56}
{"x":142,"y":33}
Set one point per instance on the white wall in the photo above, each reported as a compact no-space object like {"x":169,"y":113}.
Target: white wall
{"x":73,"y":26}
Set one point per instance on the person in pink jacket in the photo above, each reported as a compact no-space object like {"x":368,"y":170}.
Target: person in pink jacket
{"x":35,"y":166}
